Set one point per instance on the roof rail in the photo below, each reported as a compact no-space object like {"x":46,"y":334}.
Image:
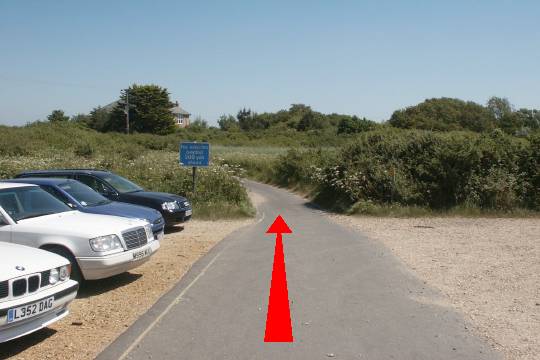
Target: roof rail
{"x":68,"y":169}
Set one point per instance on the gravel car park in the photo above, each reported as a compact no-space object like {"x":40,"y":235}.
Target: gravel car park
{"x":35,"y":289}
{"x":174,"y":208}
{"x":97,"y":246}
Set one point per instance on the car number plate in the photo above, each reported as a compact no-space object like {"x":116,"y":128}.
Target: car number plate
{"x":30,"y":310}
{"x":141,"y":254}
{"x":188,"y":212}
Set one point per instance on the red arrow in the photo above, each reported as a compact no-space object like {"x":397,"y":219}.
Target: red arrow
{"x":278,"y":318}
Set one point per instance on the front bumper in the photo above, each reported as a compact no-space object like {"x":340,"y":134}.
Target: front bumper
{"x":100,"y":267}
{"x":177,"y":217}
{"x":158,"y":225}
{"x":63,"y":294}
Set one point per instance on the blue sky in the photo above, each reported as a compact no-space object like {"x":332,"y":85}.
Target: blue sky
{"x":357,"y":57}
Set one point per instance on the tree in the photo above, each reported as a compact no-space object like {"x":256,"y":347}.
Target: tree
{"x":245,"y":119}
{"x":58,"y":116}
{"x":81,"y":118}
{"x":499,"y":107}
{"x":198,"y":124}
{"x":529,"y":118}
{"x":444,"y":114}
{"x":513,"y":122}
{"x":248,"y":120}
{"x":150,"y":111}
{"x":227,"y":122}
{"x":310,"y":120}
{"x":99,"y":119}
{"x":352,"y":125}
{"x":299,"y":109}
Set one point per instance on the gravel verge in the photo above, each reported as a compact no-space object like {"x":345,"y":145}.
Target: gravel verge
{"x":106,"y":308}
{"x":488,"y":269}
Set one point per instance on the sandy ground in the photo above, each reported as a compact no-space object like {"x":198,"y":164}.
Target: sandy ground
{"x":489,"y":269}
{"x":104,"y":309}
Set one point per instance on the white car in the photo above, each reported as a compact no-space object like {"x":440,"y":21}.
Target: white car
{"x":35,"y":290}
{"x":97,"y":246}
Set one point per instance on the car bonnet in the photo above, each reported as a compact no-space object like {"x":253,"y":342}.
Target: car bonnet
{"x":18,"y":260}
{"x":79,"y":224}
{"x":124,"y":210}
{"x":157,"y":196}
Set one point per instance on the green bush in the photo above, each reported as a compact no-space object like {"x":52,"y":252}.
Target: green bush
{"x":414,"y":168}
{"x":84,"y":150}
{"x":149,"y":160}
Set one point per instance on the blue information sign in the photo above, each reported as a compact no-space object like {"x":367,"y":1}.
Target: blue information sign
{"x":194,"y":154}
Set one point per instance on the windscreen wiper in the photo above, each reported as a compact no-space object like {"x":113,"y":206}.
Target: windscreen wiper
{"x":36,"y":215}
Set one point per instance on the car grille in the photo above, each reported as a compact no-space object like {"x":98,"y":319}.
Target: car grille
{"x":18,"y":287}
{"x":4,"y":289}
{"x":45,"y":275}
{"x":135,"y":238}
{"x":182,"y":204}
{"x":26,"y":285}
{"x":33,"y":283}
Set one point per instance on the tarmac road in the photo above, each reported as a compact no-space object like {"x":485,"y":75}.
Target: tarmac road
{"x":350,"y":299}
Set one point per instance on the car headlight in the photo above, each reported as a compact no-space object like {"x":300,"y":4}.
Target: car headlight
{"x":149,"y":233}
{"x":64,"y":272}
{"x":170,"y":206}
{"x":54,"y":276}
{"x":186,"y":203}
{"x":105,"y":243}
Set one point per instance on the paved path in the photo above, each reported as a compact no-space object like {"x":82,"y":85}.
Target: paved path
{"x":350,"y":299}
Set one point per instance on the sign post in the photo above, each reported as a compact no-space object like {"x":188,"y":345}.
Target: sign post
{"x":194,"y":154}
{"x":194,"y":177}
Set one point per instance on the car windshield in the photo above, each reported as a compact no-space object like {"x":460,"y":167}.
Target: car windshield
{"x":120,"y":184}
{"x":83,"y":194}
{"x":28,"y":202}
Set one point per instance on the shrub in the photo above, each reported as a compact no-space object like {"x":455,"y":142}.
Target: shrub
{"x":67,"y":145}
{"x":84,"y":150}
{"x":414,"y":168}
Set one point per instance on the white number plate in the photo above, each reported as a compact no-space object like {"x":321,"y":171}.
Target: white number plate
{"x":188,"y":212}
{"x":141,"y":254}
{"x":31,"y":310}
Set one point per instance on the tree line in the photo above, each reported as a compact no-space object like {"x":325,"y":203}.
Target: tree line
{"x":150,"y":106}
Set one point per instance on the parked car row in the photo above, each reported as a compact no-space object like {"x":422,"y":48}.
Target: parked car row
{"x":174,"y":209}
{"x":77,"y":234}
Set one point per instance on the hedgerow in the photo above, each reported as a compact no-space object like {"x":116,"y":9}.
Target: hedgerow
{"x":421,"y":169}
{"x":150,"y":161}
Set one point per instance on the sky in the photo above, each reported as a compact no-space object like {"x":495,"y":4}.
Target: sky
{"x":366,"y":58}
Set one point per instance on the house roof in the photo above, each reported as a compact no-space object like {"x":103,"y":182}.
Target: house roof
{"x":175,"y":110}
{"x":111,"y":106}
{"x":178,"y":110}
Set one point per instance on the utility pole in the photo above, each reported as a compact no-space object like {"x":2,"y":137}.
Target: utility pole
{"x":127,"y":111}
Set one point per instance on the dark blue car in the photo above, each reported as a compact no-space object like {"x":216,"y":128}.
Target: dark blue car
{"x":175,"y":209}
{"x":80,"y":197}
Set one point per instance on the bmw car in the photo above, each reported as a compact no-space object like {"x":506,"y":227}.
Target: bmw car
{"x":35,"y":289}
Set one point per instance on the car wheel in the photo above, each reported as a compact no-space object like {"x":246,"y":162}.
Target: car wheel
{"x":75,"y":270}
